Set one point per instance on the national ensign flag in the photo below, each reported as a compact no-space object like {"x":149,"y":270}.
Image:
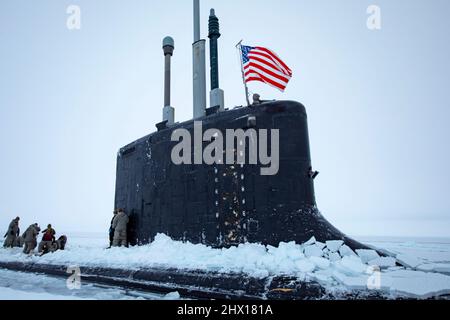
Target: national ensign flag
{"x":262,"y":64}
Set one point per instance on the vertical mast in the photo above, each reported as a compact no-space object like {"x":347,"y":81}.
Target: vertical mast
{"x":199,"y":66}
{"x":168,"y":111}
{"x":196,"y":20}
{"x":216,"y":94}
{"x":213,"y":35}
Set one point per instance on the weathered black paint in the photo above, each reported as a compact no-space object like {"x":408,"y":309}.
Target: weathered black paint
{"x":224,"y":205}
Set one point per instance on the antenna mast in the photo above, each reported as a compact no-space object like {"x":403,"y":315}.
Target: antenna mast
{"x":199,"y":67}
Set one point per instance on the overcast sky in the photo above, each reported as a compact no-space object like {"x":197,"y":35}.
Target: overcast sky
{"x":378,"y":102}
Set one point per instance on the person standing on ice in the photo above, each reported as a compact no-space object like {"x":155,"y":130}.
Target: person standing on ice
{"x":30,"y":238}
{"x":12,"y":233}
{"x":119,"y":225}
{"x":111,"y":229}
{"x":19,"y":242}
{"x":47,"y":239}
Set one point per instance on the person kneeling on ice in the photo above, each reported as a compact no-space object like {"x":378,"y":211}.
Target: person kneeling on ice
{"x":47,"y":239}
{"x":30,"y":238}
{"x":12,"y":233}
{"x":119,"y":225}
{"x":59,"y":244}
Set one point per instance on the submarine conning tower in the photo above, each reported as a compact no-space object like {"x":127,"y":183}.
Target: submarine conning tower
{"x":219,"y":204}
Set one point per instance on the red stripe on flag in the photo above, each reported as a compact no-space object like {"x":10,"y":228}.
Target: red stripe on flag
{"x":266,"y":80}
{"x":252,"y":55}
{"x":273,"y":74}
{"x":273,"y":66}
{"x":275,"y":57}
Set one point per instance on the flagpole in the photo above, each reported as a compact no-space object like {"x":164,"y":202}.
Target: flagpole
{"x":239,"y":47}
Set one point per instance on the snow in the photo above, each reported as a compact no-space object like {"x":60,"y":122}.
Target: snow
{"x":332,"y":264}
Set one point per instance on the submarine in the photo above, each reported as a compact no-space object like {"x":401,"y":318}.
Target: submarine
{"x":221,"y":205}
{"x":218,"y":204}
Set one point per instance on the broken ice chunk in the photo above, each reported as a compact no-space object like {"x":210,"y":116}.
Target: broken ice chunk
{"x":367,"y":255}
{"x":321,"y":277}
{"x":383,"y":262}
{"x":346,"y":251}
{"x":334,"y":245}
{"x":419,"y":284}
{"x":408,"y":261}
{"x":334,"y":256}
{"x":321,"y":263}
{"x":305,"y":266}
{"x":313,"y":251}
{"x":435,"y":267}
{"x":353,"y":265}
{"x":172,"y":296}
{"x":310,"y":241}
{"x":352,"y":282}
{"x":324,"y":275}
{"x":321,"y":245}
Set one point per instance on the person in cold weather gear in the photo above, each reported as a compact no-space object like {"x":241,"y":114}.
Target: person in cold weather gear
{"x":19,"y":242}
{"x":120,"y":222}
{"x":47,"y":239}
{"x":12,"y":233}
{"x":30,"y":238}
{"x":111,"y":229}
{"x":61,"y":243}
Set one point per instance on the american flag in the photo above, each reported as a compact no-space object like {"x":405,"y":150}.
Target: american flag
{"x":261,"y":64}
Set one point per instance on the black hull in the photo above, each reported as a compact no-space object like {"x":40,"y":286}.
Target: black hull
{"x":224,"y":205}
{"x":195,"y":284}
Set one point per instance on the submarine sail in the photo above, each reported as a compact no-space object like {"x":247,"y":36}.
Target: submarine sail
{"x":222,"y":205}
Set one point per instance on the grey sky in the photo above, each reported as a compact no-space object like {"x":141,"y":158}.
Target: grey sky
{"x":377,"y":101}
